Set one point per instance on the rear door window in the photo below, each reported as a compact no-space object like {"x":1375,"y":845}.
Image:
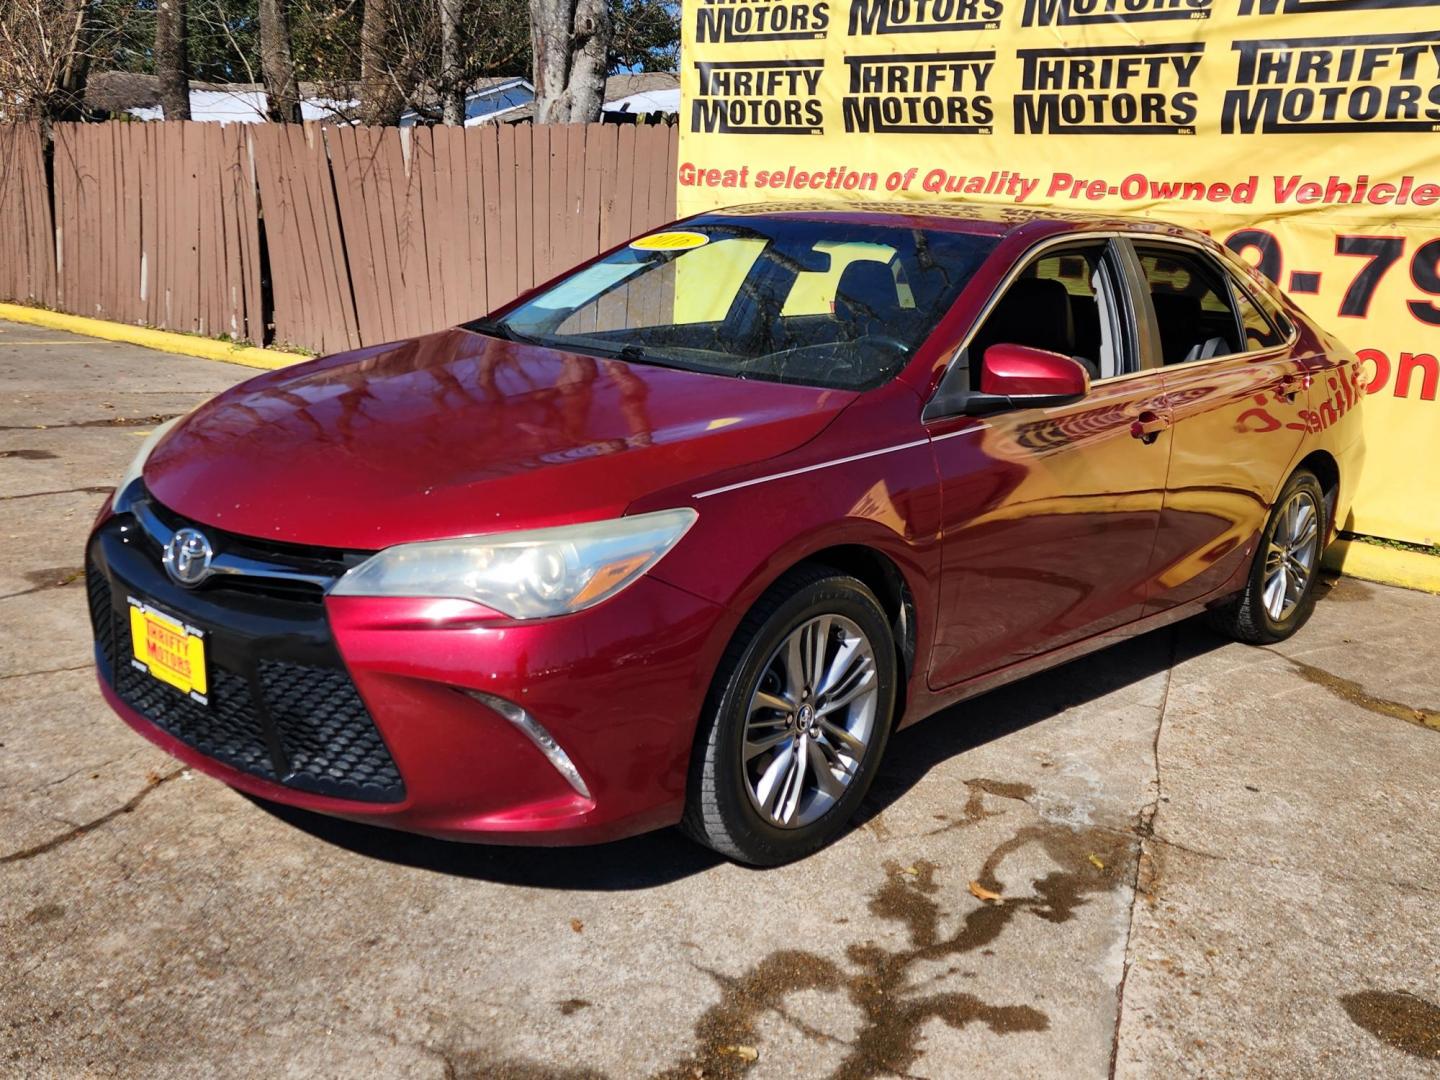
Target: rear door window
{"x":1260,"y":333}
{"x":1194,"y":310}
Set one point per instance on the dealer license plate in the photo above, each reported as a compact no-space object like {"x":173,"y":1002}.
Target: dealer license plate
{"x":168,"y":649}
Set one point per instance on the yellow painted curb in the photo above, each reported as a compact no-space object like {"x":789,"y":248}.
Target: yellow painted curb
{"x":1389,"y":566}
{"x":161,"y":340}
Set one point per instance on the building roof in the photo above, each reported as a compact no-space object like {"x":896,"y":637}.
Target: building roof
{"x":644,"y":91}
{"x":119,"y":91}
{"x":639,"y":82}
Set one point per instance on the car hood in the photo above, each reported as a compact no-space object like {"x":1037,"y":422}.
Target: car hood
{"x":456,"y":433}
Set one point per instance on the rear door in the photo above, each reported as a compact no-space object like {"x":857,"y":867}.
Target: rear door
{"x":1237,"y":398}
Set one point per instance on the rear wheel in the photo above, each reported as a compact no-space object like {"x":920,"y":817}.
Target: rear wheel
{"x":796,"y":722}
{"x":1280,"y":592}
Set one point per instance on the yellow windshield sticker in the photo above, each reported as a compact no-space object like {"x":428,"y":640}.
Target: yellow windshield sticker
{"x":670,"y":241}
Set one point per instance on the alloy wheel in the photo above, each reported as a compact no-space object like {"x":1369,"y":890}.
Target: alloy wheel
{"x":1290,"y":558}
{"x":810,"y":721}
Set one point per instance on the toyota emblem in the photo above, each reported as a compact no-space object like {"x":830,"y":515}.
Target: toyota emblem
{"x":187,"y":557}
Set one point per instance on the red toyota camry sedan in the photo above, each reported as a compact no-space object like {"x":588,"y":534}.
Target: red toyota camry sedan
{"x":683,"y":535}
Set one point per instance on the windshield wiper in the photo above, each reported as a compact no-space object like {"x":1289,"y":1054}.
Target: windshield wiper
{"x":633,"y":354}
{"x":497,"y":329}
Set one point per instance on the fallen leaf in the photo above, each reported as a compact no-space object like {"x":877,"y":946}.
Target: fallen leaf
{"x":1095,"y":862}
{"x":910,"y":871}
{"x":576,"y":925}
{"x":981,"y":893}
{"x":744,"y":1053}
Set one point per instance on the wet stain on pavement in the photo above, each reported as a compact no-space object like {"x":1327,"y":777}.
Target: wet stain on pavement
{"x":1355,"y":694}
{"x":1343,"y":590}
{"x":974,"y":810}
{"x":45,"y":913}
{"x":475,"y":1065}
{"x":879,"y":981}
{"x":895,"y":997}
{"x":1398,"y":1019}
{"x":52,"y":577}
{"x":28,"y":455}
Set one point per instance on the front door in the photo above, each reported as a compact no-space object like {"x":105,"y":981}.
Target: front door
{"x":1050,"y":515}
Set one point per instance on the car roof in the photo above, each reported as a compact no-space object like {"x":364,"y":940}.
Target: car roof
{"x":981,"y":219}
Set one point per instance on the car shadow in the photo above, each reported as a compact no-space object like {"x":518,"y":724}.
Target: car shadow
{"x":983,"y":719}
{"x":640,"y":862}
{"x":665,"y":856}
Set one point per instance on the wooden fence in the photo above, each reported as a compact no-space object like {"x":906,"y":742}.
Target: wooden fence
{"x":27,"y":233}
{"x":316,"y":236}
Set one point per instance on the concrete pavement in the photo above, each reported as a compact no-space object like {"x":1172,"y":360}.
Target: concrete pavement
{"x":1207,"y":860}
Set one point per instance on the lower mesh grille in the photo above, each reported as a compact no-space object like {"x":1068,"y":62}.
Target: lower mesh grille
{"x":333,"y":746}
{"x":227,"y":729}
{"x":309,"y":729}
{"x":98,"y":593}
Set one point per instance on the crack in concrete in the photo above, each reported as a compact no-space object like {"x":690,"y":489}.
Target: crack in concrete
{"x":47,"y":671}
{"x":1144,"y":830}
{"x":102,"y":422}
{"x":1290,"y":868}
{"x":76,"y":772}
{"x":62,"y":491}
{"x":77,"y":831}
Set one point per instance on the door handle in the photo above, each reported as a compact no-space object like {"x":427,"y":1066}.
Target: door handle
{"x":1291,"y":386}
{"x":1147,"y":427}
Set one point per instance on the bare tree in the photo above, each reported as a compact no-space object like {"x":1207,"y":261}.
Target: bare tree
{"x":277,"y":66}
{"x":452,"y":63}
{"x":45,"y":58}
{"x":382,"y":96}
{"x":570,"y":40}
{"x":172,"y":59}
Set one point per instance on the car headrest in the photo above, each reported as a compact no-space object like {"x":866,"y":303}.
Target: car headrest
{"x":1178,"y":316}
{"x":866,"y":293}
{"x":1034,"y":312}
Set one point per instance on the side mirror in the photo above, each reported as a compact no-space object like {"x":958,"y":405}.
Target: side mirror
{"x":1018,"y":371}
{"x":1011,"y":377}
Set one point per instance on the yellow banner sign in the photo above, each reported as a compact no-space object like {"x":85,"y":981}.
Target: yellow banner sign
{"x":1303,"y":133}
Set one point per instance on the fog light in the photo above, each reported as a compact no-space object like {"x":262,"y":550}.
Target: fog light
{"x":537,"y":734}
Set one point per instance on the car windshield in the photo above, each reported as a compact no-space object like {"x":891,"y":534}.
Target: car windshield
{"x":822,"y":303}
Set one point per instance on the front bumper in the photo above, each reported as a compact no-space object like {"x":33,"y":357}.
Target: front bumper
{"x":357,"y":706}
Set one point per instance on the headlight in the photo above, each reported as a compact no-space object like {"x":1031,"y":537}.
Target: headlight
{"x":125,"y":490}
{"x":526,"y":575}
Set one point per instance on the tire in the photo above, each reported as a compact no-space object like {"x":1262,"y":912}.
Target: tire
{"x":1253,"y":616}
{"x":751,"y":808}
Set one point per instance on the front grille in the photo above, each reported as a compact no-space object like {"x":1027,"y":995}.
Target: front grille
{"x":272,"y":555}
{"x":302,"y":725}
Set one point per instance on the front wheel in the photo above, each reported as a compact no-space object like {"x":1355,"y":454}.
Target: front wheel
{"x":1279,"y":595}
{"x":796,"y":722}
